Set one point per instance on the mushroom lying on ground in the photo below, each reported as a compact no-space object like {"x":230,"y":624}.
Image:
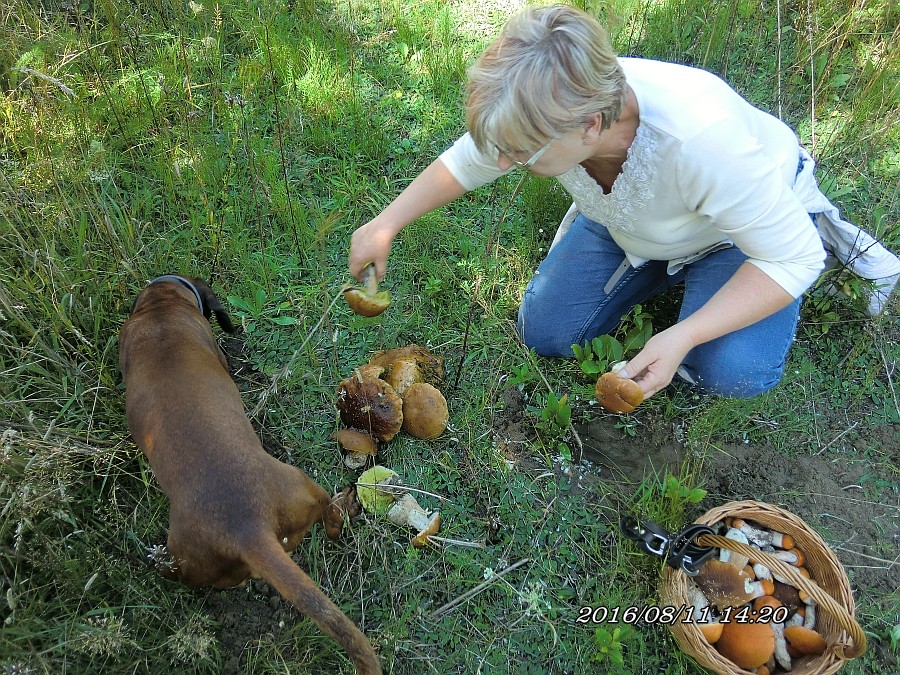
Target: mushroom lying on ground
{"x":368,"y":403}
{"x":617,"y":394}
{"x":425,"y":412}
{"x":429,"y":367}
{"x":359,"y":446}
{"x":367,"y":301}
{"x":374,"y":489}
{"x":406,"y":512}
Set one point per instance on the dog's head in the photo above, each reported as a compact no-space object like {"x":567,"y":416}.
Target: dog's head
{"x":207,"y":301}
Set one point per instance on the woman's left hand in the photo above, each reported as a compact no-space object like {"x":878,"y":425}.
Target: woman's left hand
{"x":655,"y":365}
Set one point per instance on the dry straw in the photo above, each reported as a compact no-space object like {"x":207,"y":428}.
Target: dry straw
{"x":830,"y":590}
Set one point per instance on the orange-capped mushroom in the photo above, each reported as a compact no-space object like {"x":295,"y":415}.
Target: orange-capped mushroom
{"x":617,"y":394}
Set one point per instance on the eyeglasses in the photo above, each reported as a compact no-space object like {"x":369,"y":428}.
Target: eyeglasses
{"x":531,"y":160}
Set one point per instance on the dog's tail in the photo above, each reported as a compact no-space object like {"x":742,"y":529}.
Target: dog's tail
{"x":269,"y":561}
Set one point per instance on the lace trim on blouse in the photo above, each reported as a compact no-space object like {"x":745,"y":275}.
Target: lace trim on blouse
{"x":631,"y":190}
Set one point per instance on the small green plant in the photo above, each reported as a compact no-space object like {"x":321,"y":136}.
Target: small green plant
{"x":597,"y":355}
{"x":895,"y":638}
{"x":678,"y":493}
{"x":609,"y":644}
{"x":254,"y":310}
{"x":522,"y":375}
{"x":553,"y":417}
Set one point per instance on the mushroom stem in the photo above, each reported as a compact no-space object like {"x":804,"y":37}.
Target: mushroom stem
{"x":781,"y":653}
{"x":761,"y":537}
{"x":731,"y":557}
{"x":370,"y":280}
{"x":406,"y":512}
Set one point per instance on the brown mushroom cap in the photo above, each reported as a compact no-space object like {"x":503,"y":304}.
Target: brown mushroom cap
{"x":724,"y":585}
{"x":805,"y":640}
{"x":618,"y":394}
{"x":425,"y":412}
{"x":401,"y":374}
{"x":365,"y":304}
{"x":429,"y":365}
{"x":747,"y":645}
{"x":354,"y":440}
{"x":369,"y":403}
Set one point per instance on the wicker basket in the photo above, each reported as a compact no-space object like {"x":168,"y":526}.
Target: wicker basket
{"x":835,"y":621}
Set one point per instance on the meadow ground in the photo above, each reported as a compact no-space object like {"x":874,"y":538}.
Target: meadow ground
{"x":243,"y":142}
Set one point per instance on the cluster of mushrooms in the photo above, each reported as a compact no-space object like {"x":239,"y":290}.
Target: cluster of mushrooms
{"x":397,"y":389}
{"x":748,"y":595}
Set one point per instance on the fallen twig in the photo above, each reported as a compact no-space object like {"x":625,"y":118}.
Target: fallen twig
{"x":443,"y":609}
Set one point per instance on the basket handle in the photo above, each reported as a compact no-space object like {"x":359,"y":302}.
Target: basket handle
{"x":789,"y":572}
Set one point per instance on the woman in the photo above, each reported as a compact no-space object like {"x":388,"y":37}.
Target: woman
{"x":674,"y":178}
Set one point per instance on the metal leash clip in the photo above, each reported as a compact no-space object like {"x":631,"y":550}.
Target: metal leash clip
{"x":678,"y":550}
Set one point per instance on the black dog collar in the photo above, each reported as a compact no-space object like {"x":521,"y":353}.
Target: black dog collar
{"x":183,"y":282}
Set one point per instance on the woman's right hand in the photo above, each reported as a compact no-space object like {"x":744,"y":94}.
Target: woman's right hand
{"x":370,"y":244}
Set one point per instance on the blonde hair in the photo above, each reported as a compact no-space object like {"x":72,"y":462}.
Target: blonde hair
{"x":549,"y":71}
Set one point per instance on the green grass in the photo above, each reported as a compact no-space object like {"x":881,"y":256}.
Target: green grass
{"x":243,"y":143}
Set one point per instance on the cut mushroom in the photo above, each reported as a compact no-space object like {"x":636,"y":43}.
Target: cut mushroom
{"x":368,"y":403}
{"x":425,"y":412}
{"x":781,"y":652}
{"x":736,"y":559}
{"x":792,"y":556}
{"x":368,"y":301}
{"x":359,"y":446}
{"x":711,"y":629}
{"x":407,"y":513}
{"x":617,"y":394}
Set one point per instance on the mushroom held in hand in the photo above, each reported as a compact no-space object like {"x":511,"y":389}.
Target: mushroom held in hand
{"x":424,"y":411}
{"x":368,"y":301}
{"x":369,"y":403}
{"x":617,"y":394}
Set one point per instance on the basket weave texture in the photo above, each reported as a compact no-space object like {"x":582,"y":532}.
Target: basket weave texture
{"x":835,"y":612}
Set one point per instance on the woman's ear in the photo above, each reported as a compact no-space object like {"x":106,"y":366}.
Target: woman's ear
{"x":591,"y":129}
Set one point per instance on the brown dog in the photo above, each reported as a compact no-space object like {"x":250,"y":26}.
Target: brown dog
{"x":234,"y":509}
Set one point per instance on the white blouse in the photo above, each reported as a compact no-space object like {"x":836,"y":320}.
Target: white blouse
{"x":706,"y":170}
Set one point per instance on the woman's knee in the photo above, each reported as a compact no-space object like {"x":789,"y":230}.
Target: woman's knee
{"x":539,"y":328}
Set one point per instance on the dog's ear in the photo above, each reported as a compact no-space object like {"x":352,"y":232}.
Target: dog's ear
{"x":211,"y":304}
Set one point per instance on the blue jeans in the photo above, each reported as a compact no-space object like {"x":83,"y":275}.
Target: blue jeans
{"x":565,"y":303}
